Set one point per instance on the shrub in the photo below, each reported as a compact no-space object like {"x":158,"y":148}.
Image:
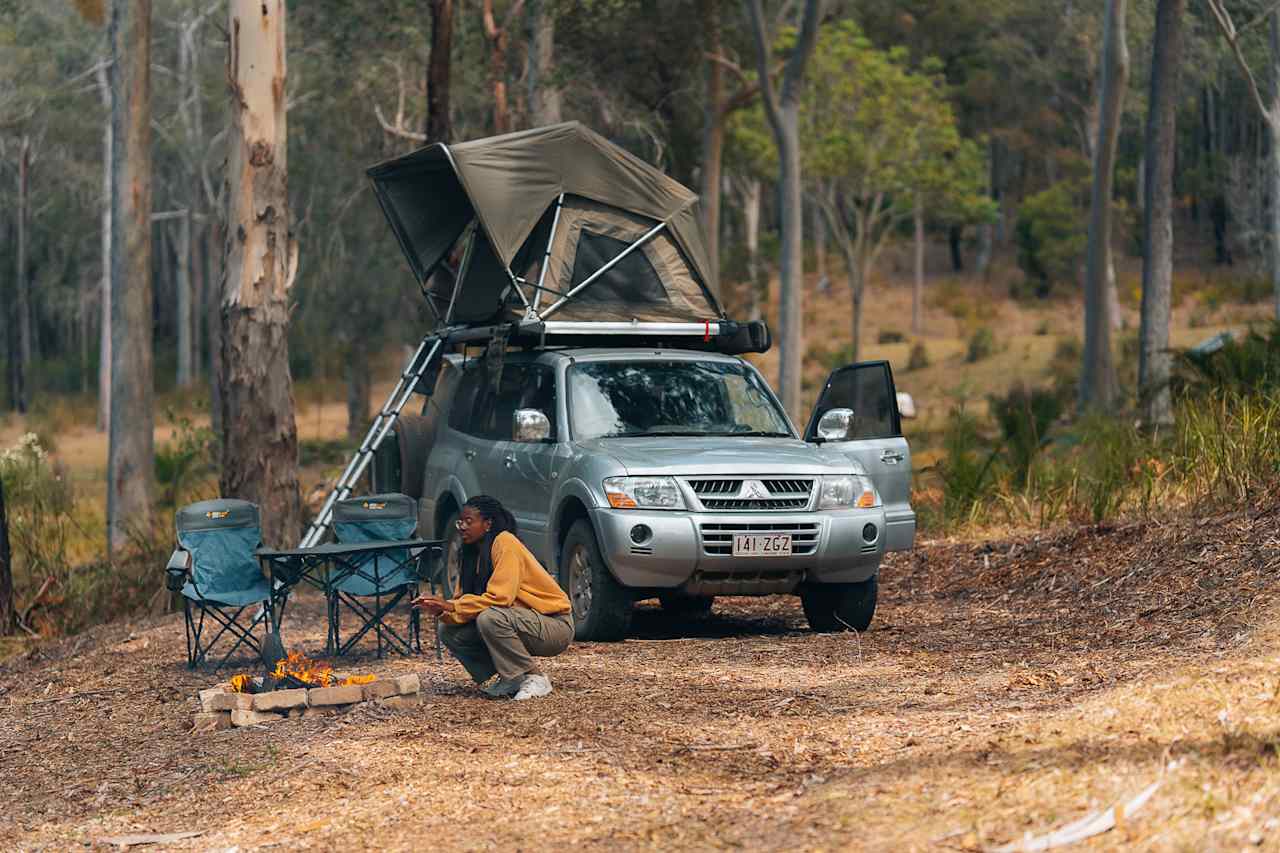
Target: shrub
{"x":1243,"y":365}
{"x":1043,"y":328}
{"x":919,"y":358}
{"x":890,"y":336}
{"x":180,"y":465}
{"x":1024,"y":418}
{"x":982,"y":344}
{"x":1051,"y":235}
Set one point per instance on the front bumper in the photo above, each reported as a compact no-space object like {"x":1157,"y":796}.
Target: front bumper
{"x":693,"y":551}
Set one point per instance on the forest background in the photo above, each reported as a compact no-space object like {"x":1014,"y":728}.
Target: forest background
{"x":945,"y":157}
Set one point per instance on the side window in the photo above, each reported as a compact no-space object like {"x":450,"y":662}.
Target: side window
{"x":868,"y":390}
{"x":497,"y":417}
{"x":540,"y":392}
{"x":464,"y":400}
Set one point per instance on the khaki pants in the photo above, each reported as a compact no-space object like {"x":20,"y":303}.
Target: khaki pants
{"x":505,"y":640}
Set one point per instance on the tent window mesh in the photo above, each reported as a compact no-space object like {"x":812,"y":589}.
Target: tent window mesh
{"x":631,"y":280}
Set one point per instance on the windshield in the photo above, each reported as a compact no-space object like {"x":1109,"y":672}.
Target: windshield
{"x":614,"y":399}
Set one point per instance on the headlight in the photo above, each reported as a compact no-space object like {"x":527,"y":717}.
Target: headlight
{"x":844,"y":491}
{"x":648,"y":492}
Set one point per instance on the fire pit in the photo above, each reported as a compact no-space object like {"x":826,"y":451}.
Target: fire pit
{"x":298,"y":687}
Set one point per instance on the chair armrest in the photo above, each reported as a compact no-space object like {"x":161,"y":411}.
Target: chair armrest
{"x":177,"y":569}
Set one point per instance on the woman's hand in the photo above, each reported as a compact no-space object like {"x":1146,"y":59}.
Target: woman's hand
{"x":434,"y":605}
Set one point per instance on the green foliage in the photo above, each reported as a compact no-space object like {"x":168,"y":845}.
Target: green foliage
{"x":890,"y":336}
{"x":982,"y":344}
{"x":964,"y":468}
{"x":1051,"y":235}
{"x":1242,"y":365}
{"x":1024,"y":417}
{"x":186,"y":463}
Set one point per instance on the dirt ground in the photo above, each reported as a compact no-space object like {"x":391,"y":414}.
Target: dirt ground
{"x":1005,"y":688}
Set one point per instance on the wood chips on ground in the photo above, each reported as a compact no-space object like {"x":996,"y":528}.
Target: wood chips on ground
{"x":1005,"y":688}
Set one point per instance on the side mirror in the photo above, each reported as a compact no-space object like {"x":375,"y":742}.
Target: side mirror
{"x":835,"y":425}
{"x":906,"y":406}
{"x":531,"y":425}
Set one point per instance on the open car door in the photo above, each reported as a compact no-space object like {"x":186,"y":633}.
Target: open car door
{"x":873,"y":438}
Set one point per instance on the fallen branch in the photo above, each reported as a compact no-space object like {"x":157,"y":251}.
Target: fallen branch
{"x":714,"y":747}
{"x":1086,"y":827}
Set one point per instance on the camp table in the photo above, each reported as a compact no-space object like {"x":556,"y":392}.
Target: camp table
{"x":322,"y":566}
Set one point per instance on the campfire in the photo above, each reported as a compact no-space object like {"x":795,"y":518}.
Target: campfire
{"x":293,"y":671}
{"x":298,"y":687}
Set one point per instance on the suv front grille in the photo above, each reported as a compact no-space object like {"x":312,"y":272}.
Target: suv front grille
{"x":717,"y":539}
{"x":778,"y":494}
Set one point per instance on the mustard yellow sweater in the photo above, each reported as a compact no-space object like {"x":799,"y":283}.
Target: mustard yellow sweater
{"x":518,"y":578}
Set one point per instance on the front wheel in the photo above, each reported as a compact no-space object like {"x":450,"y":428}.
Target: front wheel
{"x":601,"y":605}
{"x":451,"y":565}
{"x":839,"y":606}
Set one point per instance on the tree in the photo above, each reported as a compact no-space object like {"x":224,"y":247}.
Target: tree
{"x":1098,"y":377}
{"x":130,"y":455}
{"x":22,"y":277}
{"x":782,"y":106}
{"x":1154,"y":360}
{"x":259,"y":435}
{"x":881,"y":146}
{"x":498,"y":37}
{"x":544,"y":94}
{"x":1270,"y":114}
{"x":439,"y":64}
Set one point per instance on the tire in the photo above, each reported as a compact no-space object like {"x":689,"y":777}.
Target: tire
{"x":414,"y":437}
{"x":448,"y":580}
{"x":688,"y":606}
{"x":601,"y":605}
{"x":839,"y":606}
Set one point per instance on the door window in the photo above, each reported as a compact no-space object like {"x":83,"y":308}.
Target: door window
{"x":497,"y":416}
{"x":868,"y":390}
{"x":540,"y":392}
{"x":462,"y":412}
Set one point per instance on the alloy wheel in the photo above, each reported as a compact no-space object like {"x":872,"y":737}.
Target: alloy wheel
{"x":580,"y":582}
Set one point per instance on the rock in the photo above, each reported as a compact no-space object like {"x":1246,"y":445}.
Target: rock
{"x":215,"y":722}
{"x":344,"y":694}
{"x":401,"y":703}
{"x":408,"y":684}
{"x":380,"y":690}
{"x":229,"y":702}
{"x":207,"y":697}
{"x":252,"y":718}
{"x":280,"y":700}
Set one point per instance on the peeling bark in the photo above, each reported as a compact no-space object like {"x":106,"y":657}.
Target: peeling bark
{"x":131,"y":451}
{"x":438,"y":71}
{"x":259,"y":434}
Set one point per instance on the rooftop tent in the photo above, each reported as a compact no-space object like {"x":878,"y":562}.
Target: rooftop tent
{"x":545,"y":210}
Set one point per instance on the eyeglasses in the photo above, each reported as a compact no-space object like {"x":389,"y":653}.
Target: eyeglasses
{"x":466,"y":522}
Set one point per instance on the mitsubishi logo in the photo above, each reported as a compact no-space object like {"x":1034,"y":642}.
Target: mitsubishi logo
{"x":753,"y":490}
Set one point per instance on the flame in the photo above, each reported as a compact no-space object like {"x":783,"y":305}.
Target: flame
{"x":297,"y":665}
{"x":309,"y":672}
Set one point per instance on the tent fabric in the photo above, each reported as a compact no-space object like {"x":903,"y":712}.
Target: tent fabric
{"x":509,"y":185}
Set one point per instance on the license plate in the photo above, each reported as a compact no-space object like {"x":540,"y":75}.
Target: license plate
{"x":773,"y":545}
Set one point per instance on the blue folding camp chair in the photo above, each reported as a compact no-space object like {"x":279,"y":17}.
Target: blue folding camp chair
{"x":215,"y":569}
{"x":385,"y":575}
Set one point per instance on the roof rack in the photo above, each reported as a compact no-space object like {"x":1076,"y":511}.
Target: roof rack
{"x":724,"y":336}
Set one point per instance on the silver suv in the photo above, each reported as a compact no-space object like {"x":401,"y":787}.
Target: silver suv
{"x":639,"y":473}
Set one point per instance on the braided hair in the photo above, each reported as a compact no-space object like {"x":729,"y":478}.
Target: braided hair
{"x":477,"y":559}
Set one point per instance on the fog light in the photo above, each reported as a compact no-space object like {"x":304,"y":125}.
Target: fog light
{"x":869,"y":533}
{"x":641,"y":534}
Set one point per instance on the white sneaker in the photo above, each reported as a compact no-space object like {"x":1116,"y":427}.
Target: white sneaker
{"x":503,"y":687}
{"x":533,"y":687}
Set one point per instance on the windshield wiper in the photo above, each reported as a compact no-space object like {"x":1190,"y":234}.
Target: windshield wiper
{"x":764,"y":434}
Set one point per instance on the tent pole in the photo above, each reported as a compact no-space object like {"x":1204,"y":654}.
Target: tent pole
{"x":542,"y":274}
{"x":604,"y":269}
{"x":463,"y":268}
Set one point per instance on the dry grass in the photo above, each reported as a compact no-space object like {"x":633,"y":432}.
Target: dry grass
{"x":1005,"y":687}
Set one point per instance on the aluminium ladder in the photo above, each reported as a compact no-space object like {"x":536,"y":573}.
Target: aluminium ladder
{"x":428,"y":352}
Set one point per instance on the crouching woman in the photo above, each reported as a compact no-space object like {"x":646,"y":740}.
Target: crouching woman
{"x":510,"y":610}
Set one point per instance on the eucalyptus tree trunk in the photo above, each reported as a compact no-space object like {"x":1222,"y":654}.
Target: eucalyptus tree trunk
{"x":259,"y":433}
{"x":1098,"y":387}
{"x":130,"y":455}
{"x":21,"y":276}
{"x":712,"y":135}
{"x":1154,"y":360}
{"x":783,"y":111}
{"x":182,"y":282}
{"x":359,"y":384}
{"x":108,"y":158}
{"x":544,"y":95}
{"x":439,"y":65}
{"x":498,"y":38}
{"x":1273,"y":127}
{"x":917,"y":290}
{"x":749,"y":188}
